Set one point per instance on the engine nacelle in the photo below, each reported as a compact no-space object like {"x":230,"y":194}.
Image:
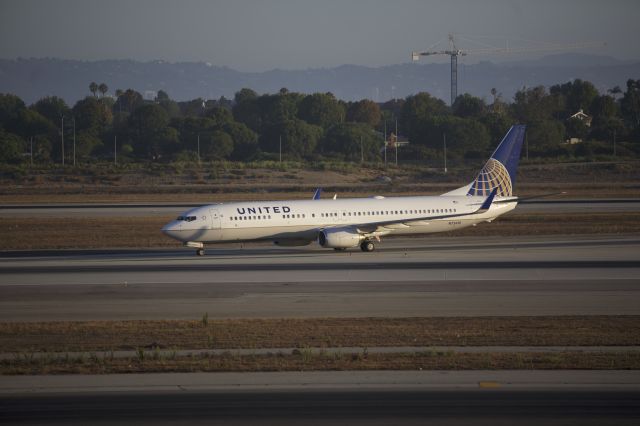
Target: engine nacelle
{"x":339,"y":238}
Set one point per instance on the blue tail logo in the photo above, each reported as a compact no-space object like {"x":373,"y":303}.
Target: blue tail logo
{"x":500,"y":171}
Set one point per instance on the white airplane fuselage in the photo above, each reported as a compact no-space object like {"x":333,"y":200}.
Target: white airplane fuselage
{"x":298,"y":222}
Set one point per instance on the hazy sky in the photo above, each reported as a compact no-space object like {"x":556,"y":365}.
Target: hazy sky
{"x":296,"y":34}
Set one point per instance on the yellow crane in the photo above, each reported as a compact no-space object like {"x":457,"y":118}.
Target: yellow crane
{"x":454,"y":52}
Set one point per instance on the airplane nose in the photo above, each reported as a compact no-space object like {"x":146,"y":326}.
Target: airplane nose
{"x":172,"y":229}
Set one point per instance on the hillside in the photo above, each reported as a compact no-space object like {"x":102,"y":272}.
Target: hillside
{"x":32,"y":79}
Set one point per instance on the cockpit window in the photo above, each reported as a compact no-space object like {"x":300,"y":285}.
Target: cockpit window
{"x":180,"y":218}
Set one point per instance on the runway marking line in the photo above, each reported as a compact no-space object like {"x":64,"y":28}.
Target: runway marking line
{"x":489,"y":385}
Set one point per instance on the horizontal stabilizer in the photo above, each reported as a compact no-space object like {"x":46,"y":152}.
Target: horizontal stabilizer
{"x":487,"y":203}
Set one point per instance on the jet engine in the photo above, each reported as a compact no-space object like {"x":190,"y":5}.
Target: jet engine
{"x":339,"y":238}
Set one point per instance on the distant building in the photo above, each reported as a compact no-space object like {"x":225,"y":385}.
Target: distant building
{"x":573,"y":141}
{"x":586,"y":120}
{"x":580,"y":115}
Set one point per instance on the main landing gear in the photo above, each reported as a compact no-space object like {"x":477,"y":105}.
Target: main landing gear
{"x":367,"y":246}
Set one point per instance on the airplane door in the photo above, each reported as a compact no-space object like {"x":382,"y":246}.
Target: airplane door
{"x":215,"y":218}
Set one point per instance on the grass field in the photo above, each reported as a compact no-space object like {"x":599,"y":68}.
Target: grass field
{"x":152,"y":362}
{"x":328,"y":332}
{"x":31,"y":233}
{"x":156,"y":344}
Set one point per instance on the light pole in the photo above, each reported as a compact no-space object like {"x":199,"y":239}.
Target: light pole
{"x":361,"y":151}
{"x":280,"y":148}
{"x":396,"y":142}
{"x":444,"y":141}
{"x":62,"y":138}
{"x":115,"y":150}
{"x":385,"y":143}
{"x":74,"y":141}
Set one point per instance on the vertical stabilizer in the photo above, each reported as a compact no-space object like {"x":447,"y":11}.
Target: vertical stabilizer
{"x":500,"y":170}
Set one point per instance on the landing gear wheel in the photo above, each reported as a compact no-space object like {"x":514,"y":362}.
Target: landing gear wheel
{"x":367,"y":246}
{"x":200,"y":252}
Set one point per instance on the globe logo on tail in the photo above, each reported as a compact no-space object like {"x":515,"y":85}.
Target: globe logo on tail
{"x":493,"y":175}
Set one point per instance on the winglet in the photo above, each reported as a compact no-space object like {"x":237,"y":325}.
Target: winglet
{"x":487,"y":203}
{"x":316,"y":195}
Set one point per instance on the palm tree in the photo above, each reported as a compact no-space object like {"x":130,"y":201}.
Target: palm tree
{"x":103,"y":89}
{"x":93,"y":87}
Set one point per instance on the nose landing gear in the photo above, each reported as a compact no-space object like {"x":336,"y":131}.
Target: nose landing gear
{"x":196,"y":245}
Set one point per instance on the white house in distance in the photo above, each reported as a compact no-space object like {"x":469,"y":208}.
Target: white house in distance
{"x":585,"y":118}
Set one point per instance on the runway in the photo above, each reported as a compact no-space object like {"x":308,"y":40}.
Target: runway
{"x":381,"y":397}
{"x":405,"y":277}
{"x":173,"y":209}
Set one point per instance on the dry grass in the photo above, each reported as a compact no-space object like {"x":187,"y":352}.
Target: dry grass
{"x":252,"y":191}
{"x":29,"y":233}
{"x":307,"y":361}
{"x":339,"y":332}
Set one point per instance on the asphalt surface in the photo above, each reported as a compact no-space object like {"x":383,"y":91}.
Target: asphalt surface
{"x":327,"y":407}
{"x":405,"y":277}
{"x":171,"y":209}
{"x":379,"y":397}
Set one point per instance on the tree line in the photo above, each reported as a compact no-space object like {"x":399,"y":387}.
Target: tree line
{"x":313,"y":126}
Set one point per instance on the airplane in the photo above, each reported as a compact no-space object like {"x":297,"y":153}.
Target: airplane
{"x":347,"y":223}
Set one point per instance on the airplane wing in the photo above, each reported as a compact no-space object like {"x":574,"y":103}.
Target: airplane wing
{"x":367,"y":228}
{"x":533,"y":197}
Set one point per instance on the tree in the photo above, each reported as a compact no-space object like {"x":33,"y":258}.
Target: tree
{"x":11,"y":148}
{"x":149,"y":133}
{"x":92,"y":116}
{"x":578,"y":95}
{"x":86,"y":144}
{"x":220,"y":116}
{"x":216,"y":145}
{"x":93,"y":87}
{"x":10,"y":108}
{"x":576,"y":128}
{"x":162,"y":96}
{"x":545,"y":136}
{"x":419,"y":109}
{"x":467,"y":106}
{"x":190,"y":127}
{"x":278,"y":108}
{"x":128,"y":101}
{"x":535,"y":104}
{"x":299,"y":139}
{"x":52,"y":108}
{"x":321,"y":109}
{"x":245,"y":140}
{"x":103,"y":88}
{"x":364,"y":111}
{"x":31,"y":123}
{"x":353,"y":141}
{"x":630,"y":104}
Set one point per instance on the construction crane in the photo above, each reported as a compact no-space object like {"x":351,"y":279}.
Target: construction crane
{"x":454,"y":52}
